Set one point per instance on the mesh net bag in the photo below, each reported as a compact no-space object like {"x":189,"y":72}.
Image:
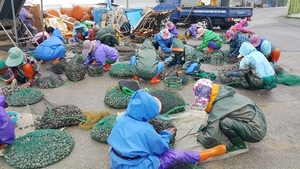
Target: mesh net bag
{"x":170,"y":71}
{"x":2,"y":63}
{"x":288,"y":79}
{"x":9,"y":90}
{"x":23,"y":97}
{"x":217,"y":58}
{"x":231,"y":81}
{"x":75,"y":70}
{"x":171,"y":102}
{"x":91,"y":118}
{"x":50,"y":81}
{"x":121,"y":71}
{"x":102,"y":129}
{"x":116,"y":98}
{"x":59,"y":67}
{"x":160,"y":125}
{"x":58,"y":117}
{"x":95,"y":71}
{"x":39,"y":149}
{"x":126,"y":52}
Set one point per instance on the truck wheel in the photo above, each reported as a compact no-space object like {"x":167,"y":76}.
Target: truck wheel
{"x":225,"y":26}
{"x":206,"y":23}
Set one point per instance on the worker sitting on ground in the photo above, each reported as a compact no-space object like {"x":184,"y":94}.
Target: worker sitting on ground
{"x":22,"y":68}
{"x":241,"y":27}
{"x":256,"y":69}
{"x":135,"y":143}
{"x":192,"y":30}
{"x":172,"y":29}
{"x":52,"y":48}
{"x":7,"y":129}
{"x":26,"y":16}
{"x":99,"y":54}
{"x":267,"y":48}
{"x":146,"y":64}
{"x":211,"y":40}
{"x":229,"y":113}
{"x":163,"y":42}
{"x":236,"y":39}
{"x":81,"y":32}
{"x":186,"y":55}
{"x":41,"y":36}
{"x":107,"y":35}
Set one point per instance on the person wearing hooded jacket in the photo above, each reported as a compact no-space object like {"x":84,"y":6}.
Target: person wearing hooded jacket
{"x":192,"y":30}
{"x":172,"y":28}
{"x":7,"y":129}
{"x":107,"y":35}
{"x":186,"y":55}
{"x":22,"y":68}
{"x":99,"y":54}
{"x":163,"y":42}
{"x":241,"y":27}
{"x":81,"y":32}
{"x":52,"y":48}
{"x":256,"y":69}
{"x":146,"y":64}
{"x":135,"y":144}
{"x":230,"y":113}
{"x":211,"y":40}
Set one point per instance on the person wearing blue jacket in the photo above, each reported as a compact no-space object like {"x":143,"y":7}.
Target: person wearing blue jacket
{"x":135,"y":143}
{"x":256,"y":69}
{"x":52,"y":48}
{"x":164,"y":39}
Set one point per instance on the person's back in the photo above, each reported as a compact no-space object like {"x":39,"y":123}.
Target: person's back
{"x":107,"y":51}
{"x":7,"y":130}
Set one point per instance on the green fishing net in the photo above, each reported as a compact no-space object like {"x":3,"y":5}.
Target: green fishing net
{"x":75,"y":70}
{"x":39,"y":149}
{"x":116,"y":98}
{"x":121,"y":71}
{"x":2,"y":63}
{"x":171,"y":102}
{"x":202,"y":74}
{"x":160,"y":125}
{"x":61,"y":116}
{"x":59,"y":67}
{"x":95,"y":71}
{"x":288,"y":79}
{"x":102,"y":129}
{"x":91,"y":118}
{"x":231,"y":81}
{"x":9,"y":90}
{"x":50,"y":81}
{"x":23,"y":97}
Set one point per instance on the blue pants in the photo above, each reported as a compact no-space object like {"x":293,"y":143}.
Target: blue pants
{"x":160,"y":66}
{"x":213,"y":45}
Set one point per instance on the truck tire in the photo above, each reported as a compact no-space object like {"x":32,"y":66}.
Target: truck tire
{"x":225,"y":26}
{"x":206,"y":23}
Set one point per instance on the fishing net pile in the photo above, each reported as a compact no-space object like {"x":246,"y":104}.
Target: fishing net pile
{"x":9,"y":90}
{"x":231,"y":81}
{"x":160,"y":125}
{"x":50,"y":81}
{"x":91,"y":118}
{"x":121,"y":71}
{"x":24,"y":97}
{"x":116,"y":98}
{"x":125,"y":52}
{"x":102,"y":129}
{"x":95,"y":70}
{"x":58,"y":117}
{"x":171,"y":102}
{"x":170,"y":71}
{"x":39,"y":149}
{"x":59,"y":67}
{"x":75,"y":70}
{"x":217,"y":58}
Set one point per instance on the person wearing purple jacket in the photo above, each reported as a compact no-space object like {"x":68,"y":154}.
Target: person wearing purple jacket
{"x":192,"y":30}
{"x":99,"y":54}
{"x":7,"y":129}
{"x":172,"y":29}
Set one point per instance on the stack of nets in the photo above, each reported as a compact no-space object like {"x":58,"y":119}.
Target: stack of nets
{"x":39,"y":149}
{"x":75,"y":70}
{"x":91,"y":118}
{"x":160,"y":125}
{"x":50,"y":81}
{"x":24,"y":97}
{"x":171,"y":102}
{"x":116,"y":98}
{"x":121,"y":71}
{"x":102,"y":129}
{"x":126,"y":52}
{"x":95,"y":71}
{"x":61,"y":116}
{"x":9,"y":90}
{"x":59,"y":67}
{"x":231,"y":81}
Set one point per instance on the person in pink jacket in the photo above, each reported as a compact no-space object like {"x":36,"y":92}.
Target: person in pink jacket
{"x":241,"y":27}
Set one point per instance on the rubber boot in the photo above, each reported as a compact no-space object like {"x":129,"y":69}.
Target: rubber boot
{"x":237,"y":144}
{"x":136,"y":77}
{"x":212,"y":152}
{"x":55,"y":61}
{"x":107,"y":67}
{"x":210,"y":50}
{"x":155,"y":79}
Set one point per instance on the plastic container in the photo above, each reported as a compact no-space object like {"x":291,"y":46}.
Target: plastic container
{"x":13,"y":116}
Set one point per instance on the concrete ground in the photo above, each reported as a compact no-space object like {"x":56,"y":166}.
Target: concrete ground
{"x":279,"y":149}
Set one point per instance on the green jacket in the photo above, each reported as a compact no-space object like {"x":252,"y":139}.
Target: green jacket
{"x":146,"y":61}
{"x":210,"y":36}
{"x":108,"y":29}
{"x":191,"y":55}
{"x":235,"y":106}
